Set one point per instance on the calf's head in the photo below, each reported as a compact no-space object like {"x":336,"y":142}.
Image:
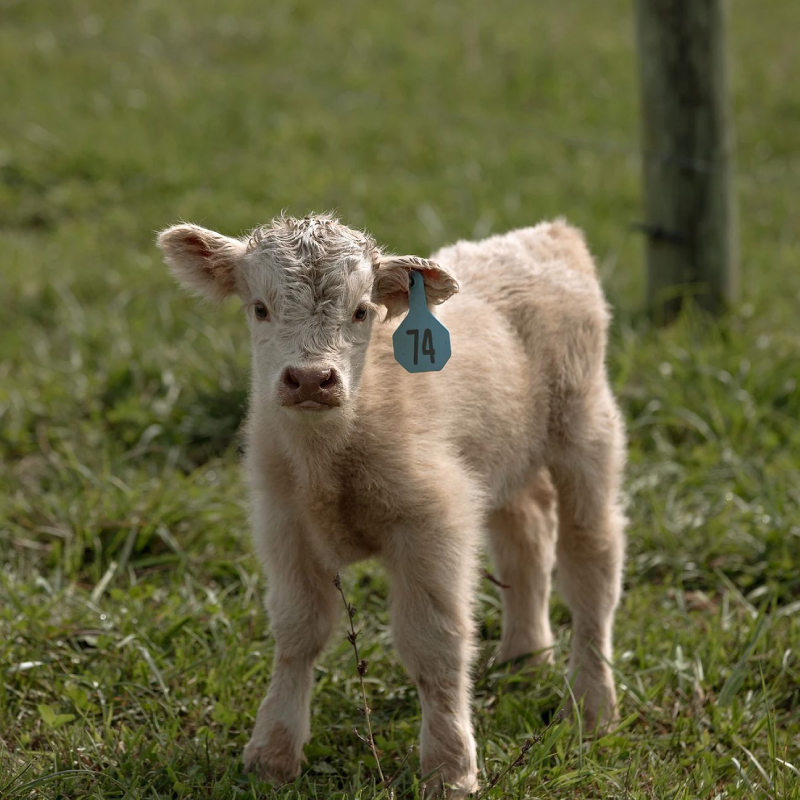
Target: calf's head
{"x":311,"y":289}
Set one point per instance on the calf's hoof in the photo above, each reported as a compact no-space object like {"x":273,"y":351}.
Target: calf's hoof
{"x":598,"y":701}
{"x":518,"y":660}
{"x":274,"y":760}
{"x":456,"y":789}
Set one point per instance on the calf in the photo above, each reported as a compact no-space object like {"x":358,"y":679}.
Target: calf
{"x":349,"y":456}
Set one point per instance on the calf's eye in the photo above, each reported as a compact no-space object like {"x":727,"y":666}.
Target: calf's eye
{"x":261,"y":311}
{"x":361,"y":314}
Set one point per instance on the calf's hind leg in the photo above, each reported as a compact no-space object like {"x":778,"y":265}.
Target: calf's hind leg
{"x":586,"y":466}
{"x":522,"y":541}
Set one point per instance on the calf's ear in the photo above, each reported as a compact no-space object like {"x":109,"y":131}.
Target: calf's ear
{"x":391,"y":280}
{"x":205,"y":262}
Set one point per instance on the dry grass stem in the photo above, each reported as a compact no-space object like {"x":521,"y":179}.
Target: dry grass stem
{"x":361,"y":668}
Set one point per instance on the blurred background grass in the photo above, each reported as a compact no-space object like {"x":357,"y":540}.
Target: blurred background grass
{"x":122,"y":520}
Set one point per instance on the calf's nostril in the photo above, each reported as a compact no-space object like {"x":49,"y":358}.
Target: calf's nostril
{"x":328,"y":380}
{"x":290,"y":379}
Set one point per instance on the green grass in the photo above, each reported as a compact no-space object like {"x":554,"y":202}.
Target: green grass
{"x":133,"y":647}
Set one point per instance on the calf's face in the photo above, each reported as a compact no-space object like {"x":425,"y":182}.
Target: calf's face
{"x":311,"y":289}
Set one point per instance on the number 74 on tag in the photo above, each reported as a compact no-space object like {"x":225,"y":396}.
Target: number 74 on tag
{"x":421,"y":342}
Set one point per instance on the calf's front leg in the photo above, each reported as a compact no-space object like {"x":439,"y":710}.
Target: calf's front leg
{"x":301,"y":603}
{"x":432,"y":587}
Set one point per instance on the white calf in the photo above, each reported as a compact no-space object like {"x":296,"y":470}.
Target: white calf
{"x":350,"y":456}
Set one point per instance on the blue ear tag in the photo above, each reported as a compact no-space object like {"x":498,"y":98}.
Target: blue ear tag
{"x":421,"y":343}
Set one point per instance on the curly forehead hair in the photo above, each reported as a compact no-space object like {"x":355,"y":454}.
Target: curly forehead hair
{"x":318,"y":239}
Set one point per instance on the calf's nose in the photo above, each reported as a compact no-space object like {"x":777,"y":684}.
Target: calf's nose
{"x":310,"y":380}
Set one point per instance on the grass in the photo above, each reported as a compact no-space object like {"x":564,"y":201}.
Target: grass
{"x":133,"y":647}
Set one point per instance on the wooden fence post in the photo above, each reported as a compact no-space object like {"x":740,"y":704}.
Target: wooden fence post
{"x":687,"y":140}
